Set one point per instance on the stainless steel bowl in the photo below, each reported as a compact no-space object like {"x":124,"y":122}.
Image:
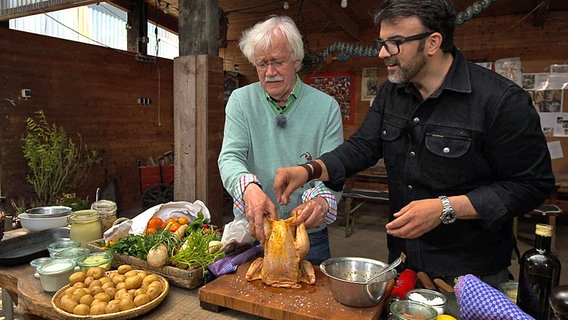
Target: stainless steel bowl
{"x":48,"y":212}
{"x":349,"y":276}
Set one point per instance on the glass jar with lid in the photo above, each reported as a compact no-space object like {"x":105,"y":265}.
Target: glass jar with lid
{"x":85,"y":226}
{"x":107,"y":212}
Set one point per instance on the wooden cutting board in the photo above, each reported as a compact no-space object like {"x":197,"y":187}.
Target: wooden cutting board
{"x":308,"y":302}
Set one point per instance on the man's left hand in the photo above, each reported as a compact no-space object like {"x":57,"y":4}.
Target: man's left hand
{"x":415,"y":219}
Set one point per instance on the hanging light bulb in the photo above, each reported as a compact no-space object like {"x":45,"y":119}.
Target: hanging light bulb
{"x":344,"y":3}
{"x":167,"y":8}
{"x":286,"y":5}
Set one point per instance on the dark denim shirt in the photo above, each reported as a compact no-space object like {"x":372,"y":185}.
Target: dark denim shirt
{"x":478,"y":135}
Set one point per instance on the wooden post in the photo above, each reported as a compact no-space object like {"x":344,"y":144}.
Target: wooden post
{"x":199,"y":107}
{"x":198,"y":131}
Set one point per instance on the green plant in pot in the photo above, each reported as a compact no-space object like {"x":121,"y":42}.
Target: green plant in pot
{"x":57,"y":163}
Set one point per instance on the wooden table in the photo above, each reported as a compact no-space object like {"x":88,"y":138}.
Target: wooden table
{"x":34,"y":303}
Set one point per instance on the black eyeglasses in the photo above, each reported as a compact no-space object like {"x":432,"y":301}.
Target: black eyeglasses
{"x":393,"y":45}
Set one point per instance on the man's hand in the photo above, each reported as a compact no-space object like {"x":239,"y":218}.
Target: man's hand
{"x":258,"y":205}
{"x":415,"y":219}
{"x":311,"y":213}
{"x":287,"y":181}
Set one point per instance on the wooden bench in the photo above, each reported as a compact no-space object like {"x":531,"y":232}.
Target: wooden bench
{"x":362,"y":195}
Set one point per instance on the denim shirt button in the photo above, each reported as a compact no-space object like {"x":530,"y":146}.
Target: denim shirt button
{"x":446,"y":150}
{"x":384,"y":133}
{"x":409,"y":187}
{"x":412,"y":154}
{"x":416,"y":120}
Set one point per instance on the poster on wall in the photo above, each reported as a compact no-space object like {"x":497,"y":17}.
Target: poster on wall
{"x":337,"y":85}
{"x":510,"y":68}
{"x":369,"y":84}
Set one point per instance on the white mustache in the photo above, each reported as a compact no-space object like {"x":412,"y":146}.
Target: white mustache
{"x":273,"y":79}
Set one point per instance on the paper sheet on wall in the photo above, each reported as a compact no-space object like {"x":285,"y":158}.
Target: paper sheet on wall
{"x":555,"y":149}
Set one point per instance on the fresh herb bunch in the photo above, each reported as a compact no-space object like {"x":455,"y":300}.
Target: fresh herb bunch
{"x":196,"y":253}
{"x":139,"y":245}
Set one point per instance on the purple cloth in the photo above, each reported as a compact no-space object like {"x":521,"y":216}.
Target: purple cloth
{"x":478,"y":300}
{"x":229,"y":264}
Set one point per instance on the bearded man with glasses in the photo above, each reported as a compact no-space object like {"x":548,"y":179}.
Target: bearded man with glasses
{"x":463,"y":148}
{"x":279,"y":121}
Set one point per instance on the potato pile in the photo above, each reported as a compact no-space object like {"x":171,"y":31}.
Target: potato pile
{"x":96,"y":292}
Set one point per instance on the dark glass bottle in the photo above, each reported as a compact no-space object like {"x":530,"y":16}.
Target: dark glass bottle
{"x":539,"y":273}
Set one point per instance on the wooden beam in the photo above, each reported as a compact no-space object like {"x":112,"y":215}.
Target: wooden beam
{"x":338,"y":16}
{"x":166,"y":21}
{"x":42,"y":7}
{"x":198,"y":126}
{"x":198,"y":27}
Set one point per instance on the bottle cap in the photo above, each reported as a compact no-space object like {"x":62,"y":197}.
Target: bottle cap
{"x":544,"y":230}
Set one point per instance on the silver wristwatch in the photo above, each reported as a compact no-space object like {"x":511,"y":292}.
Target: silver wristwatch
{"x":448,"y":214}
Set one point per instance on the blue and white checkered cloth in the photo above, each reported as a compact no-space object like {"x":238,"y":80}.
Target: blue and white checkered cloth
{"x":479,"y":301}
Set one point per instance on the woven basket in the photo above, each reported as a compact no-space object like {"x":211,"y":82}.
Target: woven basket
{"x":122,"y":315}
{"x":189,"y":279}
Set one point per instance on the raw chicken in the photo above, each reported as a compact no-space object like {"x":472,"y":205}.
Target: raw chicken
{"x":284,"y":251}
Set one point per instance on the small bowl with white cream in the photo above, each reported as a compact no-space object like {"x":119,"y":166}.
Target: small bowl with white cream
{"x":432,"y":298}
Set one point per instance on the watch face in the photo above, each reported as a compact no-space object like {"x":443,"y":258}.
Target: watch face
{"x":448,"y":217}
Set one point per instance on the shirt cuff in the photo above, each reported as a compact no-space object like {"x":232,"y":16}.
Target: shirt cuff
{"x":321,"y":191}
{"x":238,"y":201}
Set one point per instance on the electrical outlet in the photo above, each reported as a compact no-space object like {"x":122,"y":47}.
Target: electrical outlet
{"x":26,"y":93}
{"x":144,"y":101}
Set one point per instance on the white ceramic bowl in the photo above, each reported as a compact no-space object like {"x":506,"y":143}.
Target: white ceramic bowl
{"x":38,"y":224}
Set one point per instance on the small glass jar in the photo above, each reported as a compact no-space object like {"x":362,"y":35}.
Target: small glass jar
{"x":408,"y":309}
{"x":107,"y":211}
{"x":432,"y":298}
{"x":85,"y":226}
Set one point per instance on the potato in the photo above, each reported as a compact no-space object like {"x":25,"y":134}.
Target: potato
{"x":156,"y":283}
{"x":112,"y":306}
{"x":149,"y":279}
{"x":105,"y":279}
{"x":94,"y":283}
{"x":81,"y":309}
{"x":111,"y":291}
{"x":67,"y":303}
{"x":103,"y":296}
{"x":78,"y":276}
{"x":133,"y":282}
{"x":87,"y":281}
{"x":87,"y":299}
{"x":131,"y":273}
{"x":69,"y":291}
{"x":120,"y":285}
{"x":142,"y":273}
{"x":118,"y":278}
{"x":78,"y":293}
{"x":99,"y":308}
{"x":121,"y":293}
{"x":139,"y":291}
{"x":97,"y":289}
{"x":141,"y":299}
{"x":80,"y":285}
{"x":108,"y":285}
{"x":96,"y":272}
{"x":126,"y":304}
{"x":124,"y":268}
{"x":153,"y":292}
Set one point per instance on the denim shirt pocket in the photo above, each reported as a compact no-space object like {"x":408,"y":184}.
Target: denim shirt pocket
{"x":447,"y":146}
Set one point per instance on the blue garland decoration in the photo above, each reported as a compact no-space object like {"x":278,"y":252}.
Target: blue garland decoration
{"x":348,"y":49}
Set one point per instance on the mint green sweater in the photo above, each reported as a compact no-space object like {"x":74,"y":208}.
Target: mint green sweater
{"x":253,"y":144}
